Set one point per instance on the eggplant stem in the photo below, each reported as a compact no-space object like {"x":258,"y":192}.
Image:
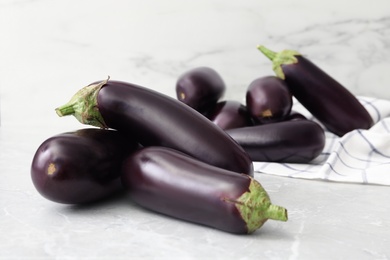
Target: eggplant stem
{"x":280,"y":59}
{"x":267,"y":52}
{"x":83,"y":105}
{"x":256,"y":208}
{"x":276,"y":213}
{"x":64,"y":110}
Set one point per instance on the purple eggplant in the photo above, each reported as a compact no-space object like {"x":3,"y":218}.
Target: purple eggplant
{"x":229,"y":114}
{"x":330,"y":102}
{"x":81,"y":166}
{"x":268,"y":99}
{"x":200,"y":88}
{"x":156,"y":120}
{"x":172,"y":183}
{"x":294,"y":141}
{"x":294,"y":115}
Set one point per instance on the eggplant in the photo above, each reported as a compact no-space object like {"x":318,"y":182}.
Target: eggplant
{"x":81,"y":166}
{"x":268,"y":99}
{"x":293,"y":141}
{"x":200,"y":88}
{"x":294,"y":115}
{"x":169,"y":182}
{"x":155,"y":119}
{"x":329,"y":101}
{"x":229,"y":114}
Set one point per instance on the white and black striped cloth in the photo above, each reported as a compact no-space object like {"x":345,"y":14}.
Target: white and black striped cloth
{"x":360,"y":156}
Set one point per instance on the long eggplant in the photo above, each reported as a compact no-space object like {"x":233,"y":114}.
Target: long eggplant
{"x":172,"y":183}
{"x":200,"y":88}
{"x":292,"y":141}
{"x":330,"y":102}
{"x":156,"y":120}
{"x":80,"y":166}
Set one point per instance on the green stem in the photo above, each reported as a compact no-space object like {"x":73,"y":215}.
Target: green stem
{"x":65,"y":110}
{"x":276,"y":213}
{"x":279,"y":59}
{"x":83,"y":106}
{"x":256,"y":208}
{"x":267,"y":52}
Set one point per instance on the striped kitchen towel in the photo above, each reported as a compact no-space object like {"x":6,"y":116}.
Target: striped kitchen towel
{"x":360,"y":156}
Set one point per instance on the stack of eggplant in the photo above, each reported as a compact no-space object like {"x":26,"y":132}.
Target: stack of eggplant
{"x":191,"y":157}
{"x":266,"y":126}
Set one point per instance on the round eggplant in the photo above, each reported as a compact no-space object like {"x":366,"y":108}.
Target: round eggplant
{"x":294,"y":141}
{"x":329,"y":101}
{"x":230,"y":114}
{"x":156,"y":120}
{"x":81,"y":166}
{"x":200,"y":88}
{"x":268,"y":99}
{"x":172,"y":183}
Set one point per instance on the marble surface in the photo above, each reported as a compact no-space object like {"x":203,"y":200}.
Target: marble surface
{"x":49,"y":49}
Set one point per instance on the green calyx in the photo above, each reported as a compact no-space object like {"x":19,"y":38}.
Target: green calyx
{"x":256,"y":208}
{"x":83,"y":106}
{"x":280,"y":58}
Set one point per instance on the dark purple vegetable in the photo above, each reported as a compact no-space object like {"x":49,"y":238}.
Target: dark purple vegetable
{"x":330,"y":102}
{"x":294,"y":115}
{"x":294,"y":141}
{"x":156,"y":120}
{"x":172,"y":183}
{"x":80,"y":166}
{"x":200,"y":88}
{"x":229,"y":114}
{"x":268,"y":99}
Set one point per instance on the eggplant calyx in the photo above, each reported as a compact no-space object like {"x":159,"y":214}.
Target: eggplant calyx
{"x":266,"y":113}
{"x":256,"y":208}
{"x":83,"y":106}
{"x":278,"y":59}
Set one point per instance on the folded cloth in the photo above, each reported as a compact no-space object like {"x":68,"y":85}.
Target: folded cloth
{"x":360,"y":156}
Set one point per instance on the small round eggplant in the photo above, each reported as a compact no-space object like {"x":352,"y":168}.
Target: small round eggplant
{"x":294,"y":141}
{"x":81,"y":166}
{"x":155,"y":119}
{"x":200,"y":88}
{"x":268,"y":99}
{"x":329,"y":101}
{"x":229,"y":114}
{"x":172,"y":183}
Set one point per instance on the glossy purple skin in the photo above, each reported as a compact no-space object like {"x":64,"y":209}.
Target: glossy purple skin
{"x":81,"y":166}
{"x":230,"y":114}
{"x":294,"y":141}
{"x":330,"y":102}
{"x":200,"y":88}
{"x":172,"y":183}
{"x":268,"y":99}
{"x":159,"y":120}
{"x":294,"y":115}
